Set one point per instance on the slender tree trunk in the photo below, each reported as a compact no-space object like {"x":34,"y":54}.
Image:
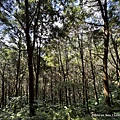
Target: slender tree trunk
{"x":55,"y":92}
{"x":67,"y":73}
{"x":80,"y":42}
{"x":18,"y":70}
{"x":60,"y":91}
{"x":74,"y":98}
{"x":3,"y":88}
{"x":106,"y":44}
{"x":30,"y":61}
{"x":115,"y":48}
{"x":73,"y":87}
{"x":64,"y":75}
{"x":104,"y":14}
{"x":31,"y":85}
{"x":51,"y":88}
{"x":117,"y":62}
{"x":38,"y":70}
{"x":17,"y":76}
{"x":86,"y":96}
{"x":93,"y":73}
{"x":27,"y":90}
{"x":38,"y":46}
{"x":44,"y":90}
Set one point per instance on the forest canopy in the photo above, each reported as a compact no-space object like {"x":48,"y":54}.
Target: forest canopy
{"x":59,"y":59}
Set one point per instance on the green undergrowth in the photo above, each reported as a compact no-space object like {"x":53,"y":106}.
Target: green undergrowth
{"x":18,"y":109}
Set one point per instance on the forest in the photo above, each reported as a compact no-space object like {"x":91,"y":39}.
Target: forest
{"x":59,"y":59}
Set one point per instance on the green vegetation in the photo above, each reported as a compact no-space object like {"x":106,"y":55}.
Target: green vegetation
{"x":52,"y":112}
{"x":59,"y":60}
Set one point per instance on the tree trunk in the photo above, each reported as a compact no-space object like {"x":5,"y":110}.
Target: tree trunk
{"x":44,"y":90}
{"x":64,"y":75}
{"x":30,"y":62}
{"x":80,"y":42}
{"x":3,"y":88}
{"x":60,"y":91}
{"x":117,"y":62}
{"x":93,"y":72}
{"x":106,"y":44}
{"x":86,"y":96}
{"x":18,"y":69}
{"x":38,"y":70}
{"x":104,"y":14}
{"x":51,"y":88}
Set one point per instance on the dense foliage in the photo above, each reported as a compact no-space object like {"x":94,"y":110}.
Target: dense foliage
{"x":59,"y":59}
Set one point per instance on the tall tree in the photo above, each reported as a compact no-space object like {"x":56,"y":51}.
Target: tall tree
{"x":30,"y":48}
{"x":104,"y":13}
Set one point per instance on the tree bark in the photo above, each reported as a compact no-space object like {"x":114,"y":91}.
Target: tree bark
{"x":3,"y":87}
{"x":80,"y":42}
{"x":18,"y":69}
{"x":38,"y":70}
{"x":93,"y":72}
{"x":104,"y":13}
{"x":30,"y":61}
